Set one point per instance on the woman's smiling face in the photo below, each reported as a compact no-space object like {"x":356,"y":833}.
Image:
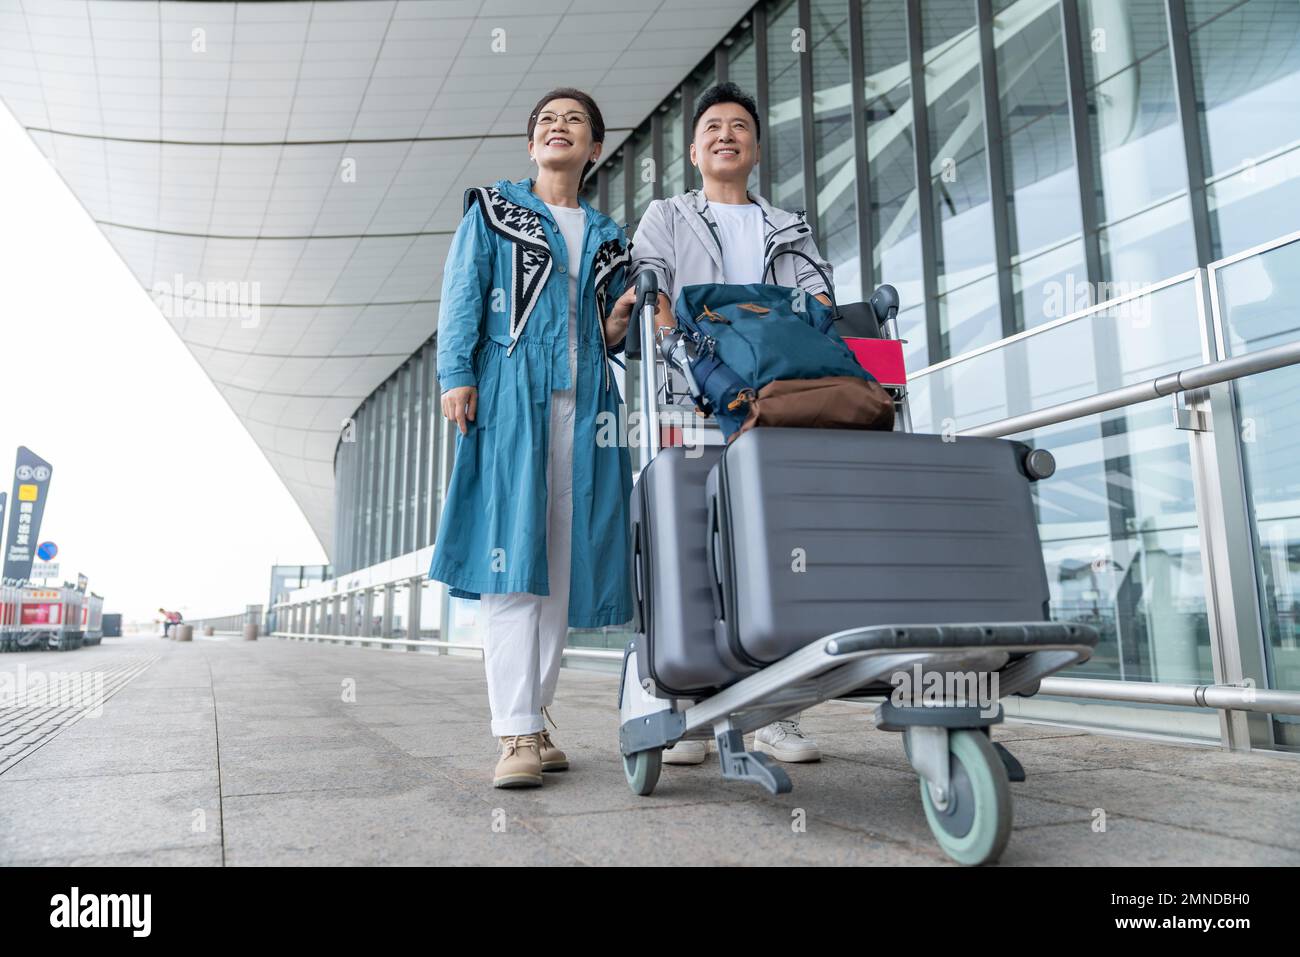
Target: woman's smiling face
{"x":562,"y":136}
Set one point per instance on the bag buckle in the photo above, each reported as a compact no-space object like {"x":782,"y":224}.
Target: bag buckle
{"x":743,"y":397}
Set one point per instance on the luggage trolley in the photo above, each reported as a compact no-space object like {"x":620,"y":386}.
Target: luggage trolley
{"x":48,"y":618}
{"x":683,"y":675}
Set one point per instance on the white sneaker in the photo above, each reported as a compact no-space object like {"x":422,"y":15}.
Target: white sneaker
{"x":687,"y":752}
{"x":784,"y":741}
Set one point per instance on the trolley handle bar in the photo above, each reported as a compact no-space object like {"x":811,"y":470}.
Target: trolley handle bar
{"x":647,"y":294}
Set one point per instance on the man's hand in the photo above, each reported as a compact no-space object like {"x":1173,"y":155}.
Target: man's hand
{"x":460,"y":405}
{"x":616,"y":322}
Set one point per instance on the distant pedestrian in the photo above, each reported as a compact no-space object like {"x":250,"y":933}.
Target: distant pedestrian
{"x":169,"y":618}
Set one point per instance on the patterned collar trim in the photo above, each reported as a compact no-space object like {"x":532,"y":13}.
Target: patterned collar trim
{"x":532,"y":262}
{"x":610,"y":256}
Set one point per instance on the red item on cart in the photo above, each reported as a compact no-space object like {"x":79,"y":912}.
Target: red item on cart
{"x":883,"y":358}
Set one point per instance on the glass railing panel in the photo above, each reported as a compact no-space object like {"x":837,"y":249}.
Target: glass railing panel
{"x":1119,"y":343}
{"x":1258,"y":300}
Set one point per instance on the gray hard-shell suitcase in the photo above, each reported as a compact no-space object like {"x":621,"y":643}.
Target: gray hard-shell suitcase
{"x":673,"y":606}
{"x":816,"y":531}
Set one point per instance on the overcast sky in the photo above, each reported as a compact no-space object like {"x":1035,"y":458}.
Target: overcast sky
{"x":159,"y":495}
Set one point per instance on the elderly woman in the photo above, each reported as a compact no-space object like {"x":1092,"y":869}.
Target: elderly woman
{"x":536,"y":517}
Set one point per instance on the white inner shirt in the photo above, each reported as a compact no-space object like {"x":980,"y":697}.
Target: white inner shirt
{"x":573,"y":224}
{"x":740,"y":228}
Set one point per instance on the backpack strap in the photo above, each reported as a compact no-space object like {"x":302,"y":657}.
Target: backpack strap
{"x":716,"y":378}
{"x":830,"y":290}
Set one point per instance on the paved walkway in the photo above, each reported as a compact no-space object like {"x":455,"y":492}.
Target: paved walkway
{"x":231,"y":752}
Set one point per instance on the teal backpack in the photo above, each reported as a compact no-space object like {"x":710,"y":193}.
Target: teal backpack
{"x":740,"y":338}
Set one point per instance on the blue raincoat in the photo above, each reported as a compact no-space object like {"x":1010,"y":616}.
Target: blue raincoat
{"x":503,"y":326}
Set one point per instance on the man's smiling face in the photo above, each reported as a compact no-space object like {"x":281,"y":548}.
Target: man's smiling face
{"x":725,"y":147}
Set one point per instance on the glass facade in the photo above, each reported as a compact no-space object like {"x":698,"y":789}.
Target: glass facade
{"x":386,"y":468}
{"x":1071,"y":196}
{"x":1057,"y":141}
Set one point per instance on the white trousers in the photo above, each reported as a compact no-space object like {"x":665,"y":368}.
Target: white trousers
{"x":523,"y":634}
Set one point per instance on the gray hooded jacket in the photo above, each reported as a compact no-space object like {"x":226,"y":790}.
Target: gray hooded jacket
{"x":677,"y":239}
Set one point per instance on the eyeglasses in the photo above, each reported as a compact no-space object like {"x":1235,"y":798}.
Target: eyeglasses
{"x":572,"y":118}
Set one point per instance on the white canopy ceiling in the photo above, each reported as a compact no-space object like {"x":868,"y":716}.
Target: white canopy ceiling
{"x":213,"y":144}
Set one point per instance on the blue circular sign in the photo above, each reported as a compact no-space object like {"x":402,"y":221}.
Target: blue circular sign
{"x":46,"y":551}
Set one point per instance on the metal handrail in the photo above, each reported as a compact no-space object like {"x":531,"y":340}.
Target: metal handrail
{"x":1209,"y":696}
{"x":1226,"y":697}
{"x":604,"y":654}
{"x":1197,"y":377}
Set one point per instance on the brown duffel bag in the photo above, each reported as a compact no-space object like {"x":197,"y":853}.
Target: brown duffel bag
{"x":834,"y":402}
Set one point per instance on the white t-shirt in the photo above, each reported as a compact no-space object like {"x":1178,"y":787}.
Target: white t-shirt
{"x":573,"y":224}
{"x":740,"y":228}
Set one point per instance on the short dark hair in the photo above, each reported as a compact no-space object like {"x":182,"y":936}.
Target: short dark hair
{"x":726,"y":93}
{"x":593,"y":111}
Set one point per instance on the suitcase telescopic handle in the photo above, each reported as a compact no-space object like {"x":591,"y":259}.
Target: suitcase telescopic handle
{"x":715,"y":579}
{"x":638,"y":590}
{"x":641,"y":345}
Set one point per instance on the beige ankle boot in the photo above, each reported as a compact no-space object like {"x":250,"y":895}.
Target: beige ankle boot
{"x":520,"y":765}
{"x":553,"y":759}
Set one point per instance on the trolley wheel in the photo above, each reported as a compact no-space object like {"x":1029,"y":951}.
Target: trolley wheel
{"x":642,"y":770}
{"x":975,"y":822}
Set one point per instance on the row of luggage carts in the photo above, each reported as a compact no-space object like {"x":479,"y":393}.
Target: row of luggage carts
{"x":38,"y":618}
{"x":796,"y":566}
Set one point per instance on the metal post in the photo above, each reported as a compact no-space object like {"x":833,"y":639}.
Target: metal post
{"x":861,"y":178}
{"x":386,"y":623}
{"x":806,"y":118}
{"x":1212,"y":506}
{"x":413,"y":586}
{"x":1241,"y":644}
{"x":444,"y":627}
{"x":760,"y":94}
{"x":924,"y":185}
{"x":1072,"y":35}
{"x":1180,"y":48}
{"x":657,"y":153}
{"x":995,"y":167}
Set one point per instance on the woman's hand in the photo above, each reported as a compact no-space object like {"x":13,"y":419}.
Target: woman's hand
{"x":460,"y":405}
{"x":616,"y":322}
